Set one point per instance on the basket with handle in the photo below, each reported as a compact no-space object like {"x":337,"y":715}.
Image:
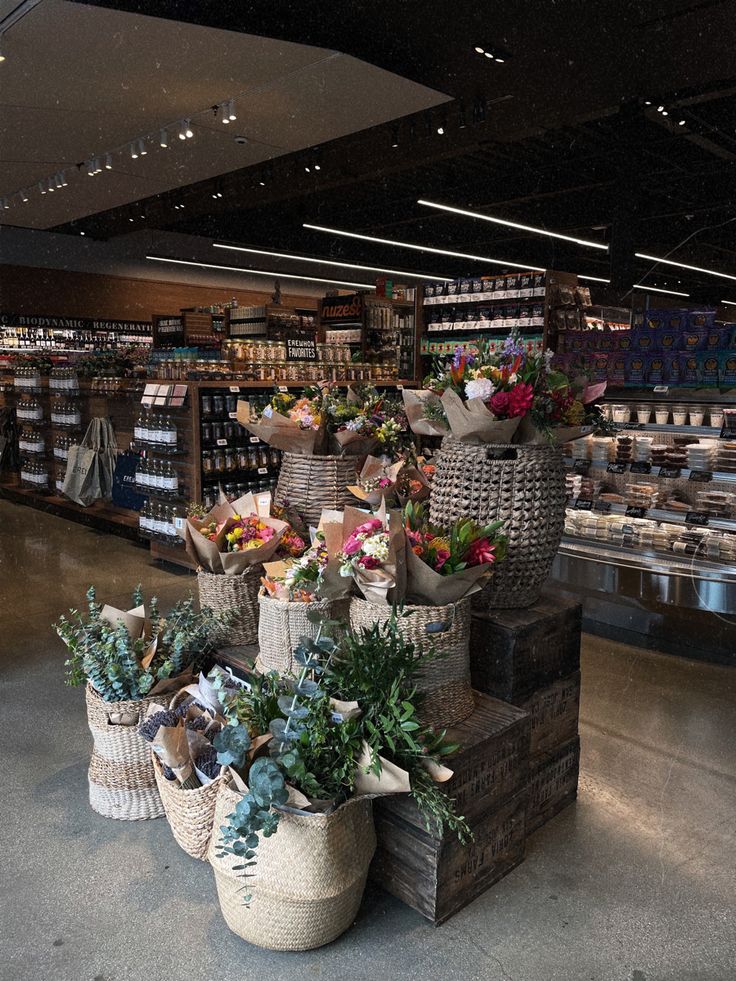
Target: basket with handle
{"x":308,"y":484}
{"x":308,"y":880}
{"x":280,"y":625}
{"x":445,"y":680}
{"x":122,"y":783}
{"x":521,"y":485}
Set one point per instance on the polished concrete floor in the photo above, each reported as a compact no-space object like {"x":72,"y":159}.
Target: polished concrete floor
{"x":636,"y":882}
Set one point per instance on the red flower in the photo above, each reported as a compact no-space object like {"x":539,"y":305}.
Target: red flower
{"x":481,"y":551}
{"x":369,"y":562}
{"x":521,"y":397}
{"x":499,"y":403}
{"x":441,"y":556}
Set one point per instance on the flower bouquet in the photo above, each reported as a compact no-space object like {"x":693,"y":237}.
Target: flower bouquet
{"x":377,"y":480}
{"x":414,"y":482}
{"x":443,"y":565}
{"x":372,"y":553}
{"x":290,"y":423}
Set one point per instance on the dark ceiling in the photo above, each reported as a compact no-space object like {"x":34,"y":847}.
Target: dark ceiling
{"x":566,"y":141}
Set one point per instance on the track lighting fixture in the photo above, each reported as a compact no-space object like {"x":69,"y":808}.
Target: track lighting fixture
{"x":188,"y":132}
{"x":142,"y":148}
{"x":108,"y":162}
{"x":24,"y":197}
{"x":134,"y":151}
{"x":41,"y":187}
{"x":163,"y":139}
{"x":231,"y":110}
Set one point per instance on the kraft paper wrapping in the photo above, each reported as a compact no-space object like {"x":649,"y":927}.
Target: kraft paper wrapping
{"x":426,"y":586}
{"x":134,"y":620}
{"x":213,"y":556}
{"x":348,"y":443}
{"x":407,"y":474}
{"x":375,"y":467}
{"x":171,"y":745}
{"x":414,"y":405}
{"x":279,"y":431}
{"x":529,"y":434}
{"x":392,"y":779}
{"x":471,"y":422}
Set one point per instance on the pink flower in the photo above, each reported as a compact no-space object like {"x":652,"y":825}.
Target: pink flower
{"x":481,"y":551}
{"x":520,"y":399}
{"x":368,"y":527}
{"x":499,"y":404}
{"x":442,"y":555}
{"x":352,"y":545}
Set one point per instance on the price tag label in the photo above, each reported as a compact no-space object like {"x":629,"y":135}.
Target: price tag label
{"x":635,"y":512}
{"x":701,"y":476}
{"x":222,"y":442}
{"x":263,"y":470}
{"x":696,"y":518}
{"x":255,"y":439}
{"x":604,"y":507}
{"x":232,"y":415}
{"x":641,"y":468}
{"x":235,"y":389}
{"x":581,"y":466}
{"x":616,"y":468}
{"x":178,"y":523}
{"x":631,"y":425}
{"x":661,"y":389}
{"x":583,"y":504}
{"x":671,"y":473}
{"x":283,"y":388}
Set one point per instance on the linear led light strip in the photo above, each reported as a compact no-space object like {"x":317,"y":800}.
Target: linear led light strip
{"x":513,"y":224}
{"x":594,"y":279}
{"x":683,"y":265}
{"x":332,"y":262}
{"x":421,"y":248}
{"x":657,"y":289}
{"x":259,"y":272}
{"x":728,"y":303}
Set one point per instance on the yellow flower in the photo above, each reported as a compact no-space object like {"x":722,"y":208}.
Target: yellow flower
{"x":440,"y":543}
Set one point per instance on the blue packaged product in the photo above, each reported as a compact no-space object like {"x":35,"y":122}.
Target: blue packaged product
{"x":477,"y":284}
{"x":718,"y":337}
{"x":635,"y":370}
{"x":617,"y":368}
{"x":644,"y":339}
{"x":452,"y":287}
{"x":622,"y":340}
{"x":689,"y":368}
{"x":606,"y":340}
{"x":727,"y":369}
{"x":709,"y":368}
{"x":667,"y":338}
{"x":600,"y":367}
{"x":488,"y":284}
{"x":671,"y":361}
{"x":693,"y":339}
{"x":655,"y":368}
{"x":702,"y":319}
{"x":465,"y":285}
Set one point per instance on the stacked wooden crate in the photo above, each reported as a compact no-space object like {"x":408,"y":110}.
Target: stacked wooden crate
{"x":434,"y":873}
{"x":531,"y":658}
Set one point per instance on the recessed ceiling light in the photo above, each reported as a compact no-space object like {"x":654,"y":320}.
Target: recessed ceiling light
{"x":480,"y":50}
{"x":683,"y":265}
{"x":440,"y":130}
{"x":330,"y":262}
{"x":682,"y":122}
{"x":512,"y":224}
{"x":262,"y":183}
{"x":422,"y":248}
{"x":82,"y":233}
{"x":488,"y":54}
{"x":259,"y":272}
{"x":500,"y":61}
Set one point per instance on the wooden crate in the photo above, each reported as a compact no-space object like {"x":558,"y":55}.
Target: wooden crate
{"x":554,"y":712}
{"x":491,"y":765}
{"x":439,"y":876}
{"x":514,"y":652}
{"x":553,"y":783}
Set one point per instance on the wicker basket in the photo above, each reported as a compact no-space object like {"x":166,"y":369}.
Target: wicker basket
{"x":523,"y":486}
{"x":280,"y":625}
{"x":308,"y":880}
{"x":237,"y":595}
{"x":190,"y":813}
{"x":445,"y":682}
{"x":122,"y":783}
{"x":310,"y":483}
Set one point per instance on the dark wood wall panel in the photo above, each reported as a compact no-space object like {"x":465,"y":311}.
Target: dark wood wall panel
{"x":25,"y":289}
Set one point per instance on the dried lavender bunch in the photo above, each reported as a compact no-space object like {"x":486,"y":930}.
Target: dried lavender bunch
{"x":150,"y":726}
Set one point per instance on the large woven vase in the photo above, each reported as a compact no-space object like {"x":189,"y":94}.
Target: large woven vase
{"x":280,"y":625}
{"x":236,"y":595}
{"x":122,"y":783}
{"x":310,"y":483}
{"x":524,"y":487}
{"x":190,"y":813}
{"x":445,"y":681}
{"x":308,"y":880}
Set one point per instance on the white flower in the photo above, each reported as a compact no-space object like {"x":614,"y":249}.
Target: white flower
{"x":479,"y":388}
{"x":377,"y":547}
{"x":513,"y":378}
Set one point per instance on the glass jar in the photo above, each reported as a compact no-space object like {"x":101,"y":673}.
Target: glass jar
{"x":218,"y":405}
{"x":206,"y":432}
{"x":206,"y":405}
{"x":218,"y":430}
{"x":208,"y":464}
{"x":218,"y":459}
{"x":242,"y":454}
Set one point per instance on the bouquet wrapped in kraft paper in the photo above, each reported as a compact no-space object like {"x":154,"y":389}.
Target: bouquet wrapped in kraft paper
{"x":418,"y":405}
{"x":372,"y":552}
{"x":215,"y":544}
{"x":302,"y":434}
{"x":376,"y":481}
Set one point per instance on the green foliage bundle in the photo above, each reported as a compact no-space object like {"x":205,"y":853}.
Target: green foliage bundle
{"x":111,"y":660}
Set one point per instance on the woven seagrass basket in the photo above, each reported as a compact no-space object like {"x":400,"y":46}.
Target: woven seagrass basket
{"x":280,"y":625}
{"x":308,"y":880}
{"x":445,"y":681}
{"x":237,"y":595}
{"x":122,"y":784}
{"x":524,"y":487}
{"x":310,"y":483}
{"x":190,"y":813}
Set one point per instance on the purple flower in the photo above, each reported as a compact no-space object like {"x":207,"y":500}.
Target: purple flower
{"x":513,"y":348}
{"x":459,"y":352}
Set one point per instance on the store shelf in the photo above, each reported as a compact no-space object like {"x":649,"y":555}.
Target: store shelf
{"x":712,"y":396}
{"x":717,"y":475}
{"x":649,"y":560}
{"x":269,"y":385}
{"x":438,"y":301}
{"x":656,"y":514}
{"x":668,"y":427}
